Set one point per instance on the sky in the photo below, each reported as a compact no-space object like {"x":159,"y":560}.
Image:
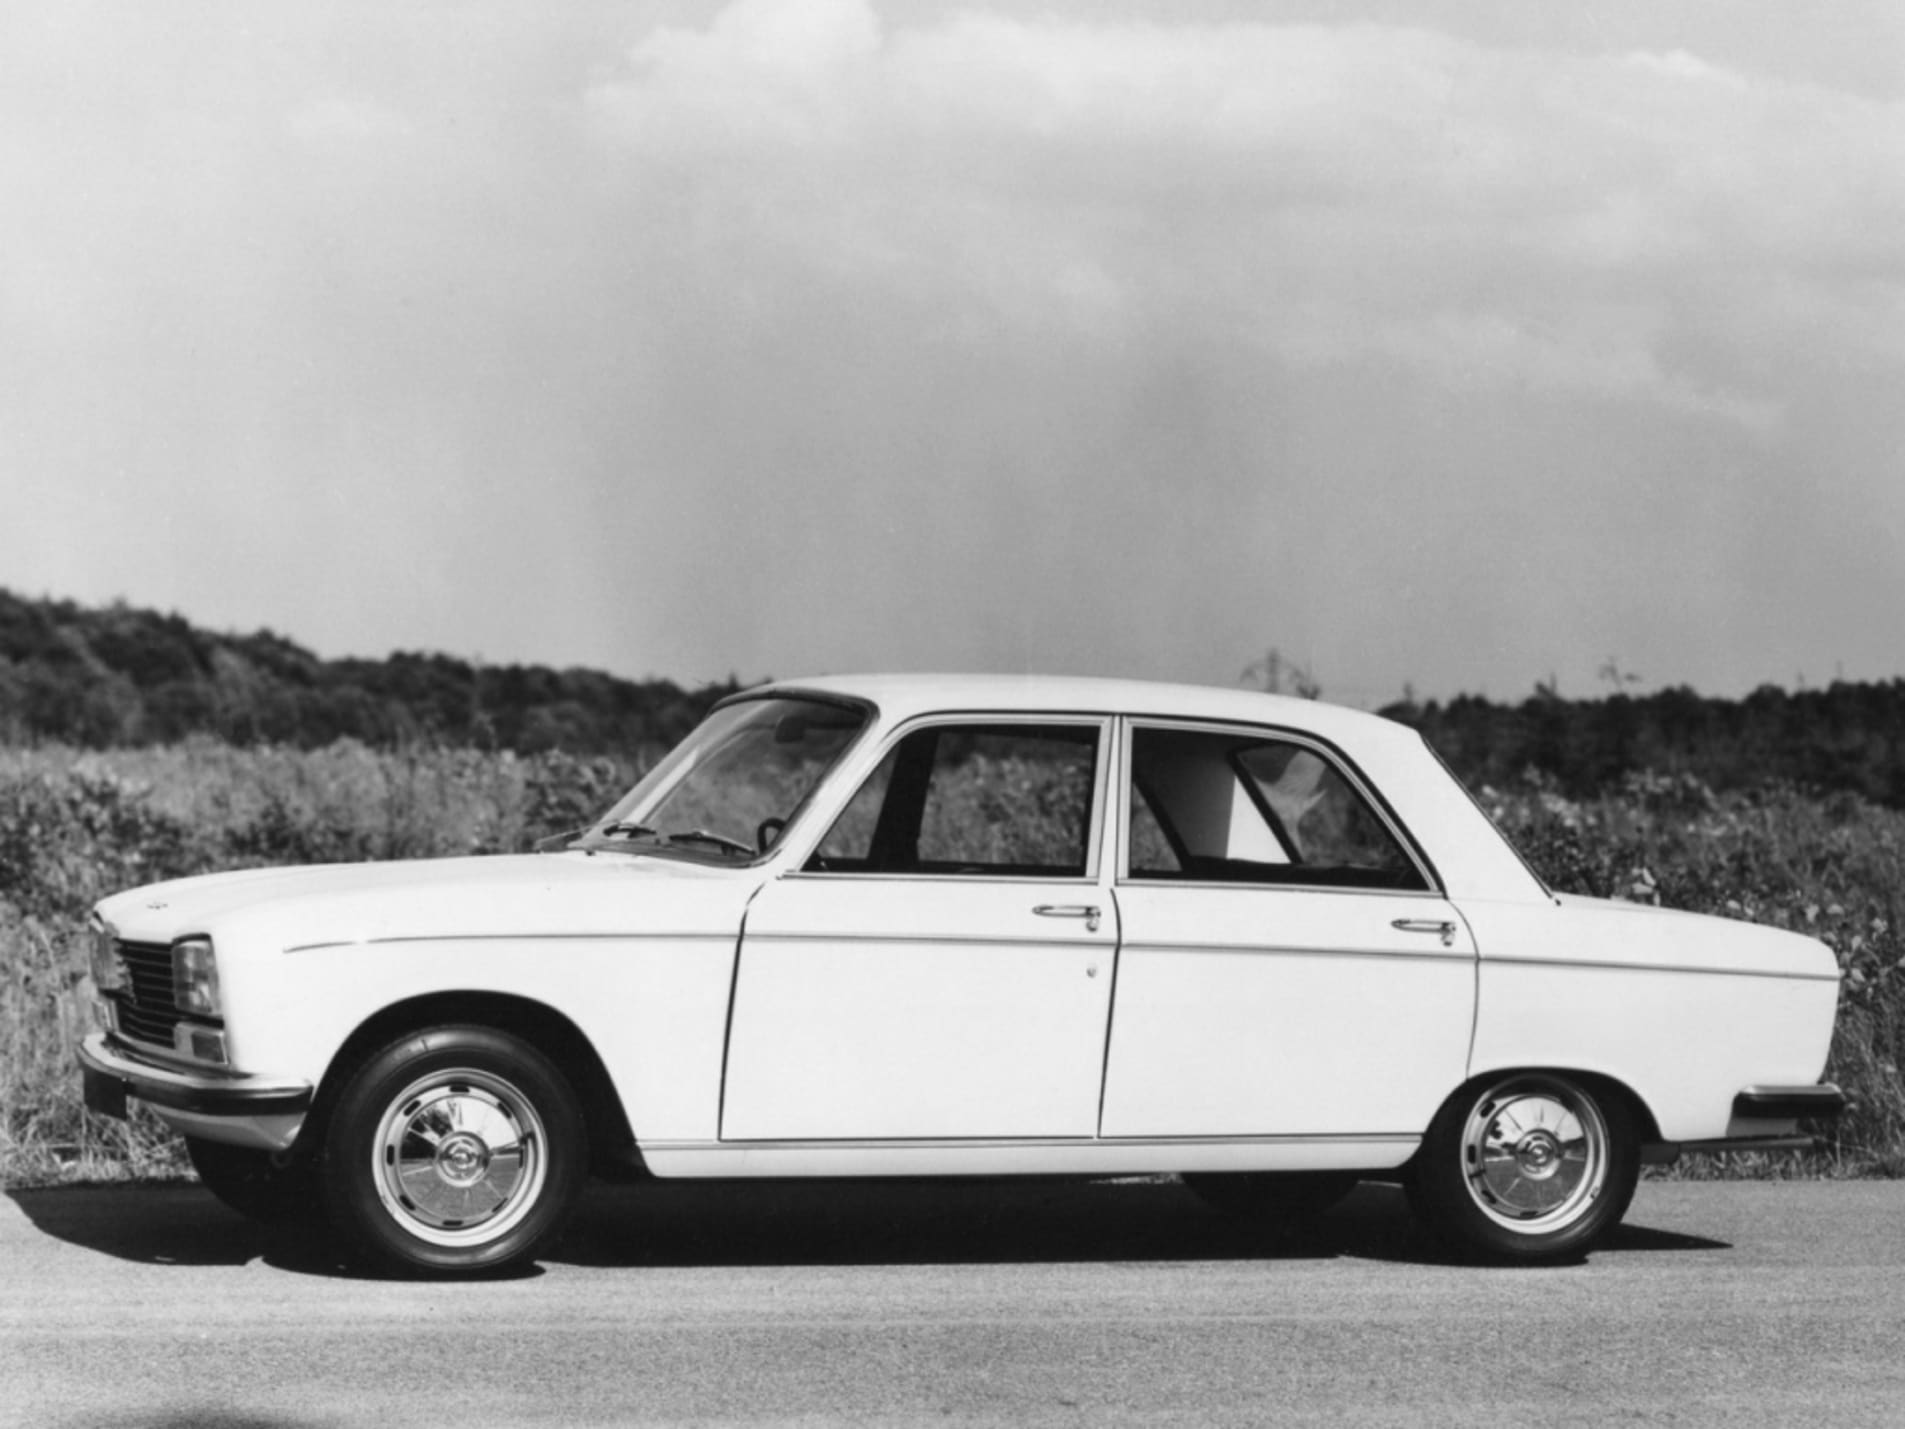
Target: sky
{"x":1447,"y":344}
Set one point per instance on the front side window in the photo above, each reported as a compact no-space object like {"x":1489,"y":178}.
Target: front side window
{"x":1235,"y":807}
{"x":1003,"y":800}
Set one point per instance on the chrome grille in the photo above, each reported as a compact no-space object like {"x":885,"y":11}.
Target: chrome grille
{"x":146,"y":1010}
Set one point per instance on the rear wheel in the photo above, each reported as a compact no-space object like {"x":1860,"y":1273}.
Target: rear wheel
{"x":1530,"y":1167}
{"x":459,"y":1149}
{"x":256,"y":1184}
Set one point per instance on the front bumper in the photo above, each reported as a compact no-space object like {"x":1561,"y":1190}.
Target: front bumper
{"x":220,"y":1106}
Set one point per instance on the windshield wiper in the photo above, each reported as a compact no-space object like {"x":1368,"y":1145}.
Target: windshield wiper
{"x":705,"y":836}
{"x":627,"y":828}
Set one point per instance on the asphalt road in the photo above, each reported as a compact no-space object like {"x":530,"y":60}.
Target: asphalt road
{"x":998,"y":1302}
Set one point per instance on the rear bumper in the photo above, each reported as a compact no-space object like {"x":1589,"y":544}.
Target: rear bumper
{"x":1764,"y":1119}
{"x":112,"y":1073}
{"x":1822,"y":1102}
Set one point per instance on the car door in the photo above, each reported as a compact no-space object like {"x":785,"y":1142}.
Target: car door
{"x":941,"y":966}
{"x":1288,"y":966}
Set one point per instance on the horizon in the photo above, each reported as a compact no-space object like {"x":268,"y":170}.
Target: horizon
{"x":1442,"y":344}
{"x":1613,"y":681}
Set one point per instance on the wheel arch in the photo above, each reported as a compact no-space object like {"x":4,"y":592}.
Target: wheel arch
{"x":611,"y":1139}
{"x":1605,"y":1084}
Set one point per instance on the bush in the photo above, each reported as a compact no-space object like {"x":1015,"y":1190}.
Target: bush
{"x":1824,"y":865}
{"x":76,"y":826}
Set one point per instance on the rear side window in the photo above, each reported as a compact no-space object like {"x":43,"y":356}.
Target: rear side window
{"x":1232,"y":807}
{"x":982,"y":799}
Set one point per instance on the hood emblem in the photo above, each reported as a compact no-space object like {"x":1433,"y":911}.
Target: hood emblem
{"x":156,"y":904}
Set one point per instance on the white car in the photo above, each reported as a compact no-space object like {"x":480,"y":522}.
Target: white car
{"x":929,"y":926}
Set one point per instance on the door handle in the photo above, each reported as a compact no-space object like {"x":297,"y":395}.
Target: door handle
{"x":1427,"y":925}
{"x":1090,"y":912}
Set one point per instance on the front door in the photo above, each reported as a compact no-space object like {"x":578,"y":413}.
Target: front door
{"x":941,"y":967}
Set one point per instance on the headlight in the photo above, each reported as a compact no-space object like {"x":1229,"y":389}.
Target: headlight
{"x":109,"y":974}
{"x":195,"y":977}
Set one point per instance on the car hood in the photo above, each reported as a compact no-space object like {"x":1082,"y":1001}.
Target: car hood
{"x":523,"y":895}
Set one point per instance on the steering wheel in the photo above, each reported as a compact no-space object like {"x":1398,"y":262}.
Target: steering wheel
{"x":766,"y":832}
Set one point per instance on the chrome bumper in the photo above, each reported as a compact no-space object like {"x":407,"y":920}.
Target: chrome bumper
{"x":1764,"y":1119}
{"x":1823,"y":1101}
{"x":112,"y":1073}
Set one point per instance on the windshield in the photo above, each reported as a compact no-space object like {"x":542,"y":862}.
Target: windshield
{"x":732,"y":786}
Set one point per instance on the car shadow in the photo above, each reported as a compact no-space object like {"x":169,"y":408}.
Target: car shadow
{"x":955,"y":1221}
{"x":1632,"y":1237}
{"x":964,"y":1221}
{"x":175,"y":1223}
{"x":793,"y":1223}
{"x":191,"y":1416}
{"x":165,"y":1223}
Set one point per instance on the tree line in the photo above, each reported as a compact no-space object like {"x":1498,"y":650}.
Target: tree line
{"x":119,"y":675}
{"x":1849,"y":736}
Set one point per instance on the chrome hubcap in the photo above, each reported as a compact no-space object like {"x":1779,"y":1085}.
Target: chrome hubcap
{"x":460,"y":1157}
{"x":1535,"y":1154}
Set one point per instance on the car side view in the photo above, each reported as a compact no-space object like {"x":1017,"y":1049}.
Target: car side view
{"x":888,"y":926}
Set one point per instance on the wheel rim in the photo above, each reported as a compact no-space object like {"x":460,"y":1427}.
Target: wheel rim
{"x":1535,"y":1154}
{"x":460,"y":1157}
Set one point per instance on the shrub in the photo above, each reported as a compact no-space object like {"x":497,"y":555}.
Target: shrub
{"x":1824,"y":865}
{"x":77,"y":826}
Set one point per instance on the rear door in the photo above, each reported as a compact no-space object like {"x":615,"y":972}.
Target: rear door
{"x":1288,"y":966}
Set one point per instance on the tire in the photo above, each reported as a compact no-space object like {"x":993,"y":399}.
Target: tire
{"x":454,"y":1151}
{"x":257,"y":1184}
{"x":1526,"y":1168}
{"x":1292,"y":1198}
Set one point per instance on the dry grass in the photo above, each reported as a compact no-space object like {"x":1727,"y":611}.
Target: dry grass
{"x":75,"y":826}
{"x":1826,"y":865}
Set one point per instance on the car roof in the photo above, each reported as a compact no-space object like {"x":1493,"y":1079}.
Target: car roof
{"x":904,"y":696}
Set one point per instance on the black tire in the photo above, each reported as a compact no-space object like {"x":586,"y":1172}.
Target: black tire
{"x":454,"y":1151}
{"x":1284,"y":1198}
{"x":1526,"y":1168}
{"x":255,"y":1183}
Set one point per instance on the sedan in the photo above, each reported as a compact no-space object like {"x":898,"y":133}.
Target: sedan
{"x":893,"y":926}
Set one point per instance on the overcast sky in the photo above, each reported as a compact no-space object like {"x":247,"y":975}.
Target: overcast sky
{"x":1451,"y":342}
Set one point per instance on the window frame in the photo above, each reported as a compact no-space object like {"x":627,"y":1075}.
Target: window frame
{"x":1339,"y":762}
{"x":1104,"y":726}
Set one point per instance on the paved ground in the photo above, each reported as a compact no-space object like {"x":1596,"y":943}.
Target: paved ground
{"x":1022,"y":1303}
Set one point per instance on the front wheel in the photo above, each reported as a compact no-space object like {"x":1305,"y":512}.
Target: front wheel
{"x":459,"y":1149}
{"x":1530,"y":1167}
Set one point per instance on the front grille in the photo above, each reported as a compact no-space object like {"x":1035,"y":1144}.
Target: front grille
{"x":146,"y":1010}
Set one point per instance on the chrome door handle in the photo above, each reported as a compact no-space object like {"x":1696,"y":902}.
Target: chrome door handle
{"x":1090,"y":912}
{"x":1427,"y":925}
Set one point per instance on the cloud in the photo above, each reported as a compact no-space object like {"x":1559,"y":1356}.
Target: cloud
{"x":821,"y":334}
{"x":1332,"y":194}
{"x":350,"y":118}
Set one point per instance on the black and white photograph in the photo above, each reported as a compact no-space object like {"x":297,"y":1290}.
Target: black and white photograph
{"x":898,"y":712}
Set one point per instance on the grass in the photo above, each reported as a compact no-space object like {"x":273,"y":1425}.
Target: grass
{"x":1831,"y":866}
{"x":75,"y":826}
